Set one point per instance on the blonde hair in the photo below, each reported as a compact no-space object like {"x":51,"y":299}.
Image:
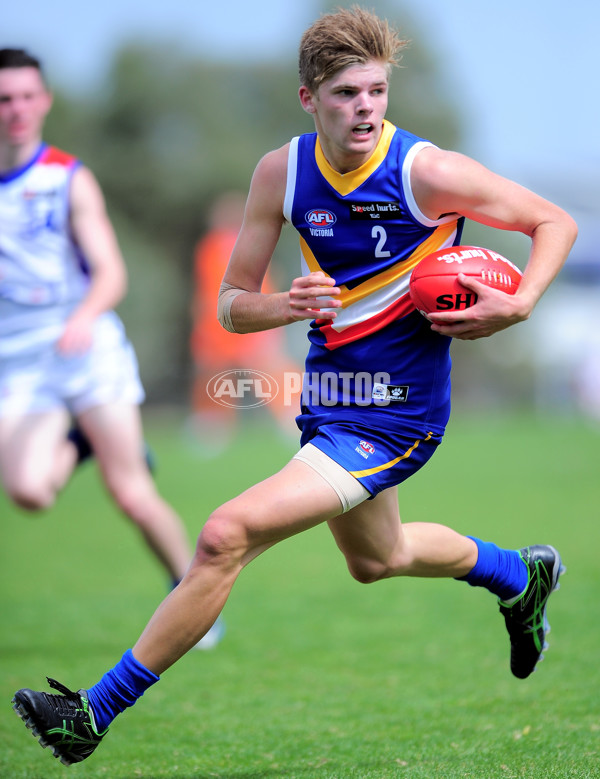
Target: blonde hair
{"x":348,"y":36}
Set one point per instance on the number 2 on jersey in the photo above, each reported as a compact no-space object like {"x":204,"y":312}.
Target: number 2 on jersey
{"x":379,"y":233}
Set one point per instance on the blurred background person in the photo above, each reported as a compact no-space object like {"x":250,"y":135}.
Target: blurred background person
{"x":64,"y":354}
{"x":214,"y":350}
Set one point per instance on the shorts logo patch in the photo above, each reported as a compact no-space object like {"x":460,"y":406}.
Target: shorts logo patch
{"x":397,"y":393}
{"x":364,"y":448}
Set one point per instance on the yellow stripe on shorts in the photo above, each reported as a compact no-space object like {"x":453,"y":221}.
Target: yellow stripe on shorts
{"x":391,"y":463}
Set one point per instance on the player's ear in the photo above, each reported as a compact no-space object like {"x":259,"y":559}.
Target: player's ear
{"x":306,"y":100}
{"x":49,"y":100}
{"x":45,"y":99}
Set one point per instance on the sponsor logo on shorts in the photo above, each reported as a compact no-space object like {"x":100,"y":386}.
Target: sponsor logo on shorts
{"x":364,"y":448}
{"x":395,"y":393}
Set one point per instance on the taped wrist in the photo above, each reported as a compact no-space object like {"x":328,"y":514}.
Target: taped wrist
{"x":227,"y":294}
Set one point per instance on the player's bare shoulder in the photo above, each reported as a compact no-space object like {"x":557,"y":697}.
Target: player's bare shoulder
{"x":439,"y":179}
{"x":272,"y":168}
{"x":269,"y":181}
{"x":433,"y":165}
{"x":85,"y":191}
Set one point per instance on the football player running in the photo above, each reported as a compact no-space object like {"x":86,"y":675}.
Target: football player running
{"x":64,"y":354}
{"x":360,"y":439}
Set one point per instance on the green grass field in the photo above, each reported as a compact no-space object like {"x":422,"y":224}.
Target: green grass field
{"x":319,"y":676}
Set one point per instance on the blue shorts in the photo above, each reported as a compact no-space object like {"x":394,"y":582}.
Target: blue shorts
{"x":377,"y":459}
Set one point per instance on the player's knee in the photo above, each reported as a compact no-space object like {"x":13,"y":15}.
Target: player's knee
{"x":31,"y":496}
{"x":222,"y":539}
{"x":367,"y":570}
{"x":129,"y":503}
{"x":134,"y":497}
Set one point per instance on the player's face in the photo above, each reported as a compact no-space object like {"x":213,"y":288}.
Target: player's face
{"x":349,"y":109}
{"x":24,"y":103}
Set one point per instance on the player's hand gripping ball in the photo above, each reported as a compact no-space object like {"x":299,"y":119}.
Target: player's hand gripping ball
{"x":434,"y":285}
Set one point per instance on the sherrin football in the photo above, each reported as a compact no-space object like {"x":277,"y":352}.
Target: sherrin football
{"x":434,"y":285}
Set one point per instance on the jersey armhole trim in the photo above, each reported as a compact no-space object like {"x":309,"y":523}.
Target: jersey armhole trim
{"x":292,"y":169}
{"x":408,"y":193}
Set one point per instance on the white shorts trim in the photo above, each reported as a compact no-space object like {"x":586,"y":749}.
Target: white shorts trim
{"x":349,"y":490}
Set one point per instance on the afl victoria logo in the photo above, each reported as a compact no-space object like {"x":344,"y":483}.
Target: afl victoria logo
{"x":367,"y":447}
{"x":320,"y":217}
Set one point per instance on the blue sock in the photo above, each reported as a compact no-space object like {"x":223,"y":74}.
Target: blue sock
{"x":119,"y":688}
{"x":501,"y":571}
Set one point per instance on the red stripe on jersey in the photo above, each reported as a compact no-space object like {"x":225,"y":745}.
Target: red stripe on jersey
{"x":54,"y":156}
{"x":398,"y":309}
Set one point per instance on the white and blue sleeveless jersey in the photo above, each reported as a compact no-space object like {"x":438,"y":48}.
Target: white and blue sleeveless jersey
{"x":43,"y":278}
{"x":43,"y":275}
{"x":364,"y":229}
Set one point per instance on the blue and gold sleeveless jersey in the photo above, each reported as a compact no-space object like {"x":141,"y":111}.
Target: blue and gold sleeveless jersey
{"x":364,"y":228}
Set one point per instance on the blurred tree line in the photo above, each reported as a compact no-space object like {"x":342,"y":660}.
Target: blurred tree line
{"x":168,"y":133}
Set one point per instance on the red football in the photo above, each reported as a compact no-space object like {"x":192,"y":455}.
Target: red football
{"x":434,"y":285}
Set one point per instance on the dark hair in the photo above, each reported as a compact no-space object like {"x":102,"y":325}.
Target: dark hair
{"x":19,"y":58}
